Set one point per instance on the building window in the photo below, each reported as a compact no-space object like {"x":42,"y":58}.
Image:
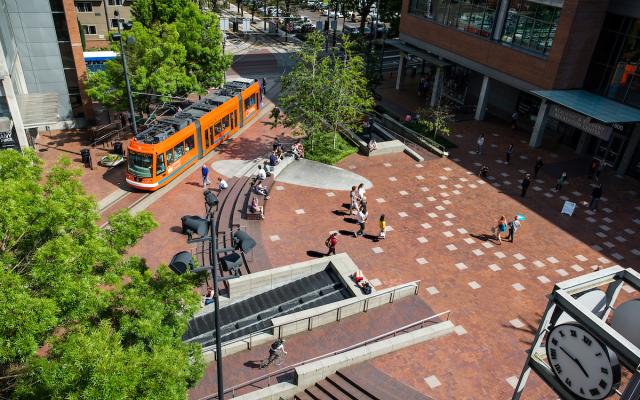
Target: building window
{"x":115,"y":2}
{"x":89,"y":29}
{"x":473,"y":16}
{"x":531,"y":26}
{"x":84,"y":7}
{"x":114,"y":22}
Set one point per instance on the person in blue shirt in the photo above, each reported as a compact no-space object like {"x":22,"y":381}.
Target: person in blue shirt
{"x":205,"y":176}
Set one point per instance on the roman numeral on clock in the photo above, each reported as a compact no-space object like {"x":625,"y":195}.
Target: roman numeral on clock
{"x":587,"y":340}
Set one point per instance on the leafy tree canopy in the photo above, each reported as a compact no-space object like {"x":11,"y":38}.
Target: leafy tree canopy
{"x":77,"y":318}
{"x":177,"y":50}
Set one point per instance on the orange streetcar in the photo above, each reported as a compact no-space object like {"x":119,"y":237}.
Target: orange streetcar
{"x":167,"y":149}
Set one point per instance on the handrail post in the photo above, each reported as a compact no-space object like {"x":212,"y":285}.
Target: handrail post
{"x":310,"y":325}
{"x":393,"y":295}
{"x":339,"y":316}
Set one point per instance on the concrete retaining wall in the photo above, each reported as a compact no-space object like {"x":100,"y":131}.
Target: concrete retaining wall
{"x":308,"y":374}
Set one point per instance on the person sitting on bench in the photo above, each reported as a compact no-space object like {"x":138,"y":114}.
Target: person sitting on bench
{"x":260,"y":189}
{"x":256,"y":208}
{"x":298,"y":150}
{"x":273,"y":161}
{"x":262,"y":174}
{"x":222,"y":184}
{"x":372,"y":145}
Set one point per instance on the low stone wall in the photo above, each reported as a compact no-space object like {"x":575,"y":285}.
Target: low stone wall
{"x":308,"y":374}
{"x":388,"y":147}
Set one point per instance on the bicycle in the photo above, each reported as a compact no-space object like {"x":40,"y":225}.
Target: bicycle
{"x":277,"y":358}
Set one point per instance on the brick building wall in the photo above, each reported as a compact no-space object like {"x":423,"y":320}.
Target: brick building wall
{"x":78,"y":58}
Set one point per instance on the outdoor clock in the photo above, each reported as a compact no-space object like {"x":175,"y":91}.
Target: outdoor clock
{"x":586,"y":367}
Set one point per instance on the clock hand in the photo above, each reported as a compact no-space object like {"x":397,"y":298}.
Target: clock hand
{"x":575,"y":360}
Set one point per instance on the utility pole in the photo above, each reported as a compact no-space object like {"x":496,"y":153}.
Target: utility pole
{"x":335,"y":21}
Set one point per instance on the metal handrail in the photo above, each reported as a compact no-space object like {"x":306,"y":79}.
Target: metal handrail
{"x":428,"y":141}
{"x":292,"y":367}
{"x":338,"y":311}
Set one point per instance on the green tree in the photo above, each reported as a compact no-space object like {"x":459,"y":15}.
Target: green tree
{"x":390,"y":13}
{"x":177,"y":50}
{"x":77,"y":318}
{"x":436,"y":120}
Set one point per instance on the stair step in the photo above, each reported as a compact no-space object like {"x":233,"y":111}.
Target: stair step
{"x":333,"y":392}
{"x":316,"y":393}
{"x":303,"y":396}
{"x":346,"y":387}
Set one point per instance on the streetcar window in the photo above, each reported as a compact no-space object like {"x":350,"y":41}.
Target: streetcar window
{"x":211,"y":136}
{"x":250,"y":102}
{"x":179,"y":150}
{"x":219,"y":128}
{"x":226,"y":122}
{"x":188,"y":144}
{"x":170,"y":158}
{"x":140,"y":164}
{"x":206,"y":138}
{"x":160,"y":167}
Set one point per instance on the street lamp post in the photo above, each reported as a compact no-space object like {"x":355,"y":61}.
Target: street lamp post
{"x":130,"y":40}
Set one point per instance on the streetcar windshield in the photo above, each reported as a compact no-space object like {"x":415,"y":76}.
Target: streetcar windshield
{"x":140,"y":164}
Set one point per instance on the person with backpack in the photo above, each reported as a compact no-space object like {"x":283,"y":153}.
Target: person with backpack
{"x":383,"y":228}
{"x":331,"y":243}
{"x":513,"y":227}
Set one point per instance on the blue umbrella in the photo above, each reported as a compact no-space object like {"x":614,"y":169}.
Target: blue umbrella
{"x":521,"y":217}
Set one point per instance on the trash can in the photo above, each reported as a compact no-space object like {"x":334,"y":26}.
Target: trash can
{"x":235,"y":25}
{"x":117,"y":148}
{"x":86,"y":157}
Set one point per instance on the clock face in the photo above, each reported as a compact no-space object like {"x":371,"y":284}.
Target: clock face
{"x":585,"y":366}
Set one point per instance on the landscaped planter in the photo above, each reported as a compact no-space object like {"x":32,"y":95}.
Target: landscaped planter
{"x":111,"y":160}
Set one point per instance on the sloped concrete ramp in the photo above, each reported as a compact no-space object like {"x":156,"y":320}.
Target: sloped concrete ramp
{"x":321,"y":176}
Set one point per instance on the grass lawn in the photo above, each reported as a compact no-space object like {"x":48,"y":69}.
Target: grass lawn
{"x":320,"y":148}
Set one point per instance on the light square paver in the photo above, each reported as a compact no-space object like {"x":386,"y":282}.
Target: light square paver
{"x":417,"y":205}
{"x":424,"y":188}
{"x":444,"y":178}
{"x":519,"y":266}
{"x":596,"y":247}
{"x":381,"y":200}
{"x":419,"y":166}
{"x":431,"y":198}
{"x":487,"y":245}
{"x":444,"y":194}
{"x":604,"y":260}
{"x":447,"y":223}
{"x":473,"y":186}
{"x":478,"y":252}
{"x":562,"y":272}
{"x":538,"y":263}
{"x":456,"y":192}
{"x":279,"y":187}
{"x":446,"y":202}
{"x":582,"y":258}
{"x":422,"y":239}
{"x":630,"y":231}
{"x":577,"y":268}
{"x":474,"y":285}
{"x":499,"y":254}
{"x":553,"y":260}
{"x":605,"y":228}
{"x":635,"y":252}
{"x":440,"y":208}
{"x":300,"y":211}
{"x":590,"y":219}
{"x":462,"y":231}
{"x":375,"y":282}
{"x":422,"y":261}
{"x":461,"y":266}
{"x":543,"y":279}
{"x":469,"y":241}
{"x":377,"y":250}
{"x":432,"y":290}
{"x":447,"y":233}
{"x":463,"y":179}
{"x":459,"y":330}
{"x":620,"y":239}
{"x":494,"y":267}
{"x":609,"y":244}
{"x":513,"y":380}
{"x":387,"y":164}
{"x":451,"y":247}
{"x":516,"y":323}
{"x":274,"y":238}
{"x":432,"y":381}
{"x":601,"y":234}
{"x":518,"y":287}
{"x":449,"y":215}
{"x":403,"y":214}
{"x":426,"y":225}
{"x":433,"y":215}
{"x":403,"y":193}
{"x":519,"y":257}
{"x":617,"y":256}
{"x":419,"y":177}
{"x":393,"y":178}
{"x":442,"y":186}
{"x":330,"y":194}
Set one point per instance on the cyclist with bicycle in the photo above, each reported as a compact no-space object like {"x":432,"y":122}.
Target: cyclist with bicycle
{"x":276,"y":351}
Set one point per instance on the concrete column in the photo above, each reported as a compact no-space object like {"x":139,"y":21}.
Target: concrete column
{"x":400,"y":70}
{"x":629,"y":151}
{"x":481,"y":107}
{"x":583,"y":143}
{"x":541,"y":122}
{"x":501,"y":17}
{"x":437,"y":87}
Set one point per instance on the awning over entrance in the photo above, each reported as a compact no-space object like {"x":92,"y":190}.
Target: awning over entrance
{"x":414,"y":51}
{"x":38,"y":109}
{"x":597,"y":107}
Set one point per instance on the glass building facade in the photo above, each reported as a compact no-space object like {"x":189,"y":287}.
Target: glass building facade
{"x":614,"y":71}
{"x":528,"y":25}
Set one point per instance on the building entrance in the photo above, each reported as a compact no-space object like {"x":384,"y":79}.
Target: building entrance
{"x":609,"y":152}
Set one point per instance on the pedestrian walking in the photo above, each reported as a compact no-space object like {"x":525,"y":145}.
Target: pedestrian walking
{"x":593,"y":168}
{"x":383,"y":228}
{"x":514,"y":120}
{"x":353,"y":198}
{"x":513,"y":228}
{"x":500,"y":228}
{"x":264,"y":86}
{"x":362,"y":220}
{"x":562,"y":180}
{"x":480,"y":143}
{"x":275,"y":114}
{"x":421,"y":86}
{"x":596,"y":194}
{"x":205,"y":176}
{"x":601,"y":168}
{"x":361,"y":193}
{"x":509,"y":153}
{"x":525,"y":184}
{"x":537,"y":167}
{"x":331,"y":243}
